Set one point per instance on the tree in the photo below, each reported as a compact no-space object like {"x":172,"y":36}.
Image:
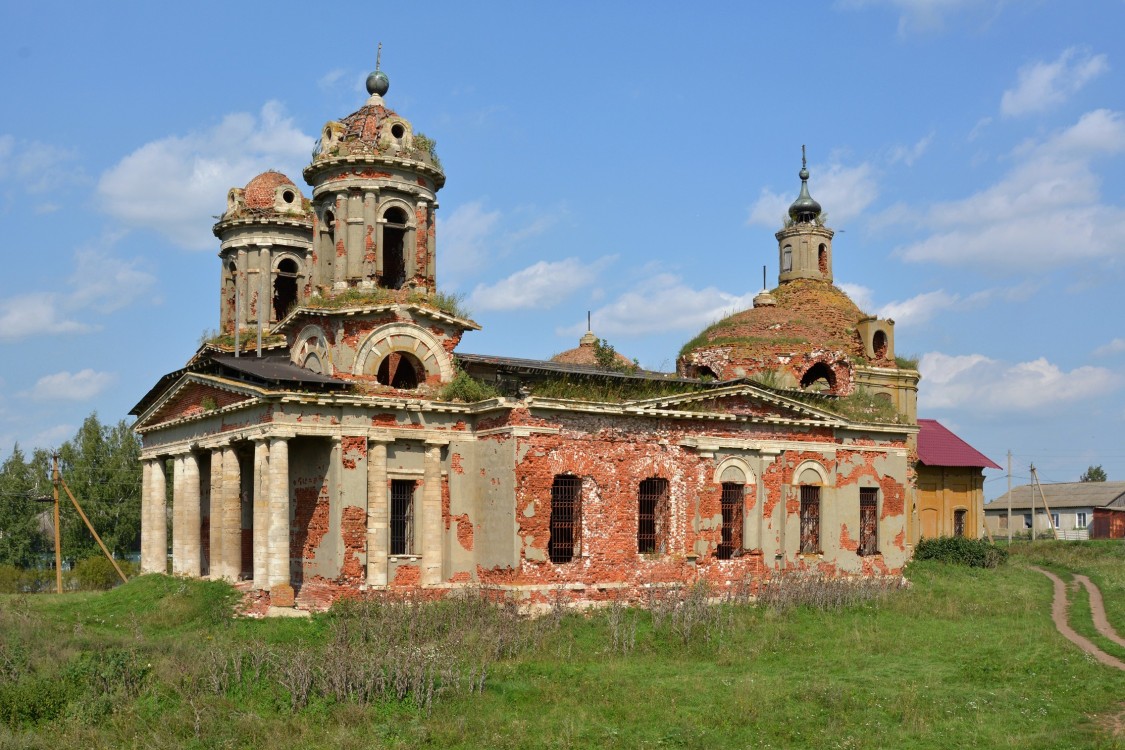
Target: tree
{"x":1093,"y":474}
{"x":21,"y":482}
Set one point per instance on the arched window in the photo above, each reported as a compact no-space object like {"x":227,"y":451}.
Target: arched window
{"x":566,"y":494}
{"x":284,"y":288}
{"x":400,"y":370}
{"x":822,"y":258}
{"x":879,"y":344}
{"x":652,"y":516}
{"x":810,"y":520}
{"x":819,"y":377}
{"x":395,"y":230}
{"x":703,"y":372}
{"x":732,"y":500}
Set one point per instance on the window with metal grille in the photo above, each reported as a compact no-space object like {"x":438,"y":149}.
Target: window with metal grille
{"x":402,"y":516}
{"x":731,"y":541}
{"x":810,"y":519}
{"x":652,"y":510}
{"x":959,"y":522}
{"x":566,"y":493}
{"x":868,"y":521}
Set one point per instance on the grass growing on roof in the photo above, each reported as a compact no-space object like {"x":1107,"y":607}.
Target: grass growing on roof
{"x":450,"y":304}
{"x":609,"y":390}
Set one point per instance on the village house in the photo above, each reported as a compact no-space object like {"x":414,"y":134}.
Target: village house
{"x":1072,"y":510}
{"x":334,"y":438}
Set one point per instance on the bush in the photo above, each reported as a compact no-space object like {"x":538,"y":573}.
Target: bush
{"x":464,"y":387}
{"x":96,"y":574}
{"x":959,"y":550}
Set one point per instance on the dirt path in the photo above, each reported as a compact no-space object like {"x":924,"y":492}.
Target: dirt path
{"x":1058,"y":614}
{"x":1097,"y":608}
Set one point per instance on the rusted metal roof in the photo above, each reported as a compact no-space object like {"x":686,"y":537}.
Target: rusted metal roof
{"x":937,"y":446}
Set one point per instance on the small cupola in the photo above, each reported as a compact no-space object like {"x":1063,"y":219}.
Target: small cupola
{"x":804,"y":245}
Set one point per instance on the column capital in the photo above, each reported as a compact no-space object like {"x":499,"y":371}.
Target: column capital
{"x":380,"y":436}
{"x":436,"y":442}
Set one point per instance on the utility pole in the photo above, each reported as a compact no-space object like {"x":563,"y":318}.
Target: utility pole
{"x":58,"y":532}
{"x":1009,"y":497}
{"x":1046,"y":507}
{"x":90,"y":526}
{"x":1031,"y":491}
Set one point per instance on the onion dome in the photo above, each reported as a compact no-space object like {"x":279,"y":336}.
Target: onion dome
{"x":805,"y":209}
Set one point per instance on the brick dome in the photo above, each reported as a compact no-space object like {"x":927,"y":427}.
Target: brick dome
{"x":261,"y":192}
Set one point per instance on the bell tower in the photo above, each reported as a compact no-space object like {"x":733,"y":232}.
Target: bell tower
{"x":374,"y":192}
{"x":804,"y":245}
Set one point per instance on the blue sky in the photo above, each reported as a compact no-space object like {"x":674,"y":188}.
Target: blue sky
{"x":629,"y":159}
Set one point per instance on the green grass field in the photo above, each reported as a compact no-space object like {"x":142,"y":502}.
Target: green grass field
{"x":963,"y":658}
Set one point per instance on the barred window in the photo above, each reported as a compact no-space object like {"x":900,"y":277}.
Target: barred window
{"x":402,"y":516}
{"x":868,"y":521}
{"x":959,"y":522}
{"x":732,"y":502}
{"x":810,"y":519}
{"x":566,"y":494}
{"x":652,"y":512}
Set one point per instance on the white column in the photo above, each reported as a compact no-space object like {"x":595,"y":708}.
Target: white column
{"x":279,"y":514}
{"x":159,"y":517}
{"x":146,"y":517}
{"x":190,"y":517}
{"x":261,"y":513}
{"x":378,"y":514}
{"x":231,"y":515}
{"x":431,"y":516}
{"x":215,"y":561}
{"x":178,"y":515}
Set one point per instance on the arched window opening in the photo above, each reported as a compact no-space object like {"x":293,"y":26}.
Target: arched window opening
{"x":284,"y":288}
{"x":822,"y":258}
{"x":400,"y":370}
{"x":394,"y":248}
{"x":652,"y":516}
{"x":810,"y":520}
{"x":730,"y":543}
{"x":819,"y":377}
{"x":879,"y":344}
{"x":329,"y":220}
{"x":703,"y":372}
{"x":868,"y":521}
{"x":786,"y":259}
{"x":959,"y":522}
{"x":566,"y":494}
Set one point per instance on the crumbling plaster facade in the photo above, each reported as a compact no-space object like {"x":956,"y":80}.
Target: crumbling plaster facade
{"x":326,"y":464}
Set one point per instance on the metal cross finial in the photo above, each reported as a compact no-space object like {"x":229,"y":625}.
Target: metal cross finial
{"x":803,"y":165}
{"x":379,"y":56}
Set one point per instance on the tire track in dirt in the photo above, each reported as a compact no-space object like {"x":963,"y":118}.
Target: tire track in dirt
{"x":1097,"y":609}
{"x":1058,"y":614}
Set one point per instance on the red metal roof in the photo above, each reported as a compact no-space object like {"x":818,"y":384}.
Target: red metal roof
{"x":937,"y":446}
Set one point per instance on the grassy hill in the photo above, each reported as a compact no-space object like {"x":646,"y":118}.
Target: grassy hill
{"x":960,"y":658}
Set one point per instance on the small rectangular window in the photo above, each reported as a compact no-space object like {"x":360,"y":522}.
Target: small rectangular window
{"x":1081,"y":519}
{"x":810,"y":520}
{"x":868,"y":521}
{"x":1055,"y":520}
{"x":402,"y":516}
{"x":565,"y":494}
{"x":1027,"y":520}
{"x":731,"y":501}
{"x":959,"y":522}
{"x":652,"y":510}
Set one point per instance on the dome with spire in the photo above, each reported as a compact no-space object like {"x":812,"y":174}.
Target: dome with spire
{"x":586,"y":353}
{"x":271,"y":196}
{"x":805,"y":209}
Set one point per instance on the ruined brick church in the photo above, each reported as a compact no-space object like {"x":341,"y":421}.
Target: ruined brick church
{"x":333,"y":438}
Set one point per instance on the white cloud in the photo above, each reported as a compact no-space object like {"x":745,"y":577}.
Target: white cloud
{"x":661,"y":304}
{"x":1113,"y":347}
{"x":1044,"y":85}
{"x":176,"y":184}
{"x":975,"y":382}
{"x":36,"y":314}
{"x":331,"y":78}
{"x":1048,"y":202}
{"x":862,"y":296}
{"x":52,"y":437}
{"x":472,"y":236}
{"x":844,"y":192}
{"x":920,"y":308}
{"x":37,"y":167}
{"x":72,"y":386}
{"x":910,"y":154}
{"x":539,"y":286}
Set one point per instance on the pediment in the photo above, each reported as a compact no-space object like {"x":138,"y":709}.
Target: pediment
{"x":192,"y":396}
{"x":745,"y":401}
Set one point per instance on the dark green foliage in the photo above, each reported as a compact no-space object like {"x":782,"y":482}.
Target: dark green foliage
{"x":1093,"y":474}
{"x":607,"y":358}
{"x":609,"y":391}
{"x":21,"y":482}
{"x":96,"y":574}
{"x":907,"y":363}
{"x":464,"y":387}
{"x":959,"y":550}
